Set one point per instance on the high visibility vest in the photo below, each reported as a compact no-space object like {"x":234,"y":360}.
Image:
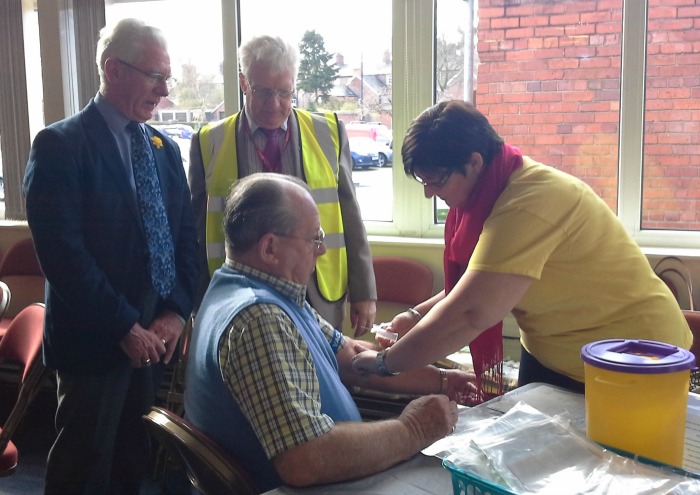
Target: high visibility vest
{"x":320,"y":149}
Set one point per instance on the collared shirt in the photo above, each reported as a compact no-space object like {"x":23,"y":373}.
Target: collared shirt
{"x":249,"y":162}
{"x":117,"y":123}
{"x":269,"y":370}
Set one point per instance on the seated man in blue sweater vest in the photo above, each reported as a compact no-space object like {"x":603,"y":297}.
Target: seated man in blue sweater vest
{"x":267,"y":377}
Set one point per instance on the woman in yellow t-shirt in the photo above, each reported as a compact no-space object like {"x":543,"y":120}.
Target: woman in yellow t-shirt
{"x":524,"y":238}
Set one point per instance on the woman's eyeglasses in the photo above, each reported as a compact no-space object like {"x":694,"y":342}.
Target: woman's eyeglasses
{"x":435,"y":184}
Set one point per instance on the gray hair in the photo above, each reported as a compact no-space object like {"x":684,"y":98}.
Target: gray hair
{"x":274,"y":52}
{"x":257,"y":205}
{"x":125,"y":40}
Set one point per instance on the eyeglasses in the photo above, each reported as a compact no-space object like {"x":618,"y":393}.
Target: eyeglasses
{"x":435,"y":184}
{"x":156,"y":77}
{"x":267,"y":93}
{"x":317,"y":239}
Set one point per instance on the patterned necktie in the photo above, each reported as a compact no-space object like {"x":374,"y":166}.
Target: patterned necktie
{"x":155,"y":222}
{"x":272,"y":151}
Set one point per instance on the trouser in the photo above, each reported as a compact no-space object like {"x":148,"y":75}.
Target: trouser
{"x":102,"y":446}
{"x":531,"y":370}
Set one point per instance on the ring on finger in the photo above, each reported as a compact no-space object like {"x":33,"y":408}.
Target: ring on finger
{"x":164,"y":341}
{"x":147,"y":361}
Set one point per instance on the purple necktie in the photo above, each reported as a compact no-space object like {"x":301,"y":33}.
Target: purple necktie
{"x":272,"y":151}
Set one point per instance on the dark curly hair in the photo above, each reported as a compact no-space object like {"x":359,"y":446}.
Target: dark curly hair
{"x":443,"y":137}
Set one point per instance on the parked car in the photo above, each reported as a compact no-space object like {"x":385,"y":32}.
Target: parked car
{"x":386,"y":151}
{"x":182,"y":131}
{"x":364,"y":152}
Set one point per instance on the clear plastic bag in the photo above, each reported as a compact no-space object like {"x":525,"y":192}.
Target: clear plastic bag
{"x":530,"y":452}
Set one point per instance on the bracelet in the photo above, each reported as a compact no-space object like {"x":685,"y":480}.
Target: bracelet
{"x":443,"y":381}
{"x":414,"y":312}
{"x":382,"y":370}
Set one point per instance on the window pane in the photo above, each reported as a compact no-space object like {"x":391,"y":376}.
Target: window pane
{"x":357,"y":41}
{"x":196,"y":64}
{"x":671,"y":177}
{"x":454,"y":58}
{"x":548,"y":80}
{"x":21,"y":108}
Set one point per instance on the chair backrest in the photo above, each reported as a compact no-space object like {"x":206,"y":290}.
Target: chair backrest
{"x":402,"y":280}
{"x":176,"y":390}
{"x":21,"y":259}
{"x":22,"y":341}
{"x":210,"y":469}
{"x":20,"y":270}
{"x":22,"y":344}
{"x":5,"y":298}
{"x":693,"y":319}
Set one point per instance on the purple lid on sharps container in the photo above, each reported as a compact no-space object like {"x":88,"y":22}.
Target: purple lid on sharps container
{"x":637,"y":356}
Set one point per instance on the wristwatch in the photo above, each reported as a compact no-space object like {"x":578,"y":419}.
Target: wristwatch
{"x":382,"y":370}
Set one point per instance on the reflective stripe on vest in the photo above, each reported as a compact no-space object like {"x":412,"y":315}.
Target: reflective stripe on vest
{"x":320,"y":161}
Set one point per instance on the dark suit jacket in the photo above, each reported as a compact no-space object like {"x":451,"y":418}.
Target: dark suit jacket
{"x":85,"y":221}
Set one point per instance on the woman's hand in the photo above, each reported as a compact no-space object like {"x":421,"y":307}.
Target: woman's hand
{"x":401,"y":324}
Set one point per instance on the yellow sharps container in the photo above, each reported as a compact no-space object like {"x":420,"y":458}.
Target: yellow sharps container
{"x":637,"y":397}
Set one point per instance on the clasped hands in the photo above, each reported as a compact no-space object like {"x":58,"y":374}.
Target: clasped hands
{"x":145,"y":347}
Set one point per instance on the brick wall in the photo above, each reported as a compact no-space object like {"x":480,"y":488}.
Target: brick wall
{"x":549,"y":81}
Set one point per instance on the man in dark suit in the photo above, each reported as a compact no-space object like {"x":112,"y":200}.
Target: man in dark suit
{"x":118,"y":247}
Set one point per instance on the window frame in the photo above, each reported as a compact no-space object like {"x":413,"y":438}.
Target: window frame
{"x":413,"y":30}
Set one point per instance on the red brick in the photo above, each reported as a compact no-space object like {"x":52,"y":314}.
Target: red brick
{"x":580,"y":29}
{"x":485,"y":13}
{"x":693,"y":12}
{"x":554,"y":31}
{"x":663,"y":12}
{"x":564,"y":19}
{"x":597,"y":17}
{"x":519,"y":33}
{"x":608,"y":27}
{"x":534,"y":21}
{"x":520,"y":10}
{"x":670,"y":24}
{"x":505,"y":23}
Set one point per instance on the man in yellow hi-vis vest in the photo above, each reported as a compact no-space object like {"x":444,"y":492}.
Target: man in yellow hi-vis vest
{"x":267,"y":136}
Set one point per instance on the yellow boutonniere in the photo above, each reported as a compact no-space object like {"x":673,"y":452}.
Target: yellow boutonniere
{"x":157,"y":142}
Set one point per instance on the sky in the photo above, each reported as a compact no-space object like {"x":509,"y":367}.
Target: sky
{"x":351,"y":27}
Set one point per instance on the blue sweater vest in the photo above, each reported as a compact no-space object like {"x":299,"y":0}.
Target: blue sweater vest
{"x":208,"y":402}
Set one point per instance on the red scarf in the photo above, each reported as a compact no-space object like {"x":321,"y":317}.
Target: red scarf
{"x":462,"y":230}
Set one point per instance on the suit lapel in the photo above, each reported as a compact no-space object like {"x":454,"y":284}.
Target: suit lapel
{"x":97,"y":132}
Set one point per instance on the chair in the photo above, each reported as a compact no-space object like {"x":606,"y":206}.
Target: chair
{"x":693,"y":319}
{"x":211,"y":470}
{"x":22,"y":345}
{"x":676,"y":275}
{"x":5,"y":298}
{"x":401,"y":283}
{"x":174,"y":396}
{"x":402,"y":280}
{"x":21,"y":272}
{"x":175,"y":399}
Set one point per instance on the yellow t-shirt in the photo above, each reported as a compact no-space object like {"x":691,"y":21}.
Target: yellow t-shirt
{"x":592,"y":282}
